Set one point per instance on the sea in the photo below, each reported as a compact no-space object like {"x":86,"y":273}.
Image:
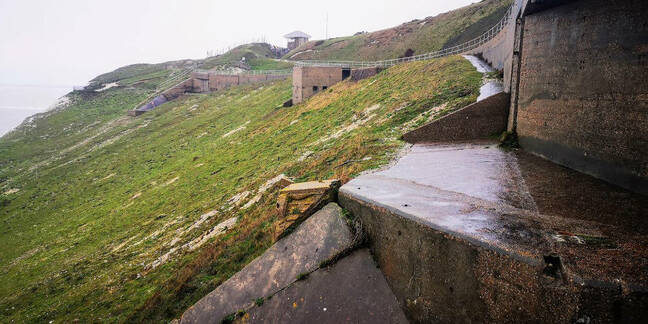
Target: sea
{"x":18,"y":102}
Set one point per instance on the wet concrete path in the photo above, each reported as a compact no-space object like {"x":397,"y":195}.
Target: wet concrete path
{"x":517,"y":204}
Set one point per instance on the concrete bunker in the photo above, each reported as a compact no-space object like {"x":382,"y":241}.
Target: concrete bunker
{"x":308,"y":80}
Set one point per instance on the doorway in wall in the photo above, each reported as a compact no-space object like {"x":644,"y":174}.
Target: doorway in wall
{"x":346,"y":73}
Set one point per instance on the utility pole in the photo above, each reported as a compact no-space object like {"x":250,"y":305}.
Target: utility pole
{"x":327,"y":25}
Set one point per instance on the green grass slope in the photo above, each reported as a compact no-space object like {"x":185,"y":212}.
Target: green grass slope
{"x":111,"y":218}
{"x":421,"y":36}
{"x":258,"y":56}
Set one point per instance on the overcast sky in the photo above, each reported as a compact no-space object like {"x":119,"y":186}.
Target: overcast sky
{"x":68,"y":42}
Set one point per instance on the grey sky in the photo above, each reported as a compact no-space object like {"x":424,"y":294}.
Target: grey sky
{"x":68,"y":42}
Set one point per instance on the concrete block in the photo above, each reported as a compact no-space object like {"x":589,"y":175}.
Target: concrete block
{"x":353,"y":290}
{"x":319,"y":238}
{"x":299,"y":200}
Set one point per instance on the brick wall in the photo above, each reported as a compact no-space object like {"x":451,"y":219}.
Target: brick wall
{"x":583,"y":92}
{"x":305,"y":78}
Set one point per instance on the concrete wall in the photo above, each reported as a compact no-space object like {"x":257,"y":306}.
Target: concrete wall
{"x":359,"y":74}
{"x":498,"y":52}
{"x":205,"y":82}
{"x":179,"y":89}
{"x":305,"y":78}
{"x":478,"y":120}
{"x":438,"y":277}
{"x":219,"y":82}
{"x":583,"y":90}
{"x":200,"y":82}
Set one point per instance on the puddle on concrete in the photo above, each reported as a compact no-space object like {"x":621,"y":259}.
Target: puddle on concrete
{"x":515,"y":202}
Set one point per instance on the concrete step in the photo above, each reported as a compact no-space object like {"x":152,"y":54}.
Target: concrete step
{"x":320,"y":238}
{"x":473,"y":233}
{"x":353,"y":290}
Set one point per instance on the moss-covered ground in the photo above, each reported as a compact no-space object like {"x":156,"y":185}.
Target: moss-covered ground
{"x":102,"y":215}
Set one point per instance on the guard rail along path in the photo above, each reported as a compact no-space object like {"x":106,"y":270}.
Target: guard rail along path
{"x":465,"y":47}
{"x":458,"y":49}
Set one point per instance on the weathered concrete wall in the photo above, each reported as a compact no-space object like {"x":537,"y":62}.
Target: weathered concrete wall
{"x":306,"y":78}
{"x":220,"y":81}
{"x":477,"y":120}
{"x":179,"y":89}
{"x":359,"y":74}
{"x":583,"y":91}
{"x":200,"y":82}
{"x":498,"y":52}
{"x":439,"y":277}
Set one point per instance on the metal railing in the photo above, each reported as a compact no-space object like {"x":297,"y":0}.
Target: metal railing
{"x":182,"y":75}
{"x":167,"y":84}
{"x":457,"y":49}
{"x":248,"y":72}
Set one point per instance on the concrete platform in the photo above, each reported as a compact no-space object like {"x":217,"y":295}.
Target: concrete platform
{"x":353,"y":290}
{"x":320,"y":238}
{"x":473,"y":233}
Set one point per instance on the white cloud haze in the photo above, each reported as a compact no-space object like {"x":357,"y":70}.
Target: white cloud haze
{"x":68,"y":42}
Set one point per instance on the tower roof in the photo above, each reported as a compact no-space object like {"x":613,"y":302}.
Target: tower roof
{"x":297,"y":34}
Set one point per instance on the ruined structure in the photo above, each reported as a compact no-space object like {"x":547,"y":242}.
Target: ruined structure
{"x":298,"y":201}
{"x":466,"y":231}
{"x":309,"y":80}
{"x":490,"y":235}
{"x":296,"y":39}
{"x":206,"y":81}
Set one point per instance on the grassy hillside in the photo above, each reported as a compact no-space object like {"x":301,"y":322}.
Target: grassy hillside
{"x":259,"y":56}
{"x":421,"y":36}
{"x":111,"y":218}
{"x":142,"y":75}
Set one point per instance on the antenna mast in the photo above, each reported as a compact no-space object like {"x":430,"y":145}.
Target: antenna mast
{"x":327,"y":25}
